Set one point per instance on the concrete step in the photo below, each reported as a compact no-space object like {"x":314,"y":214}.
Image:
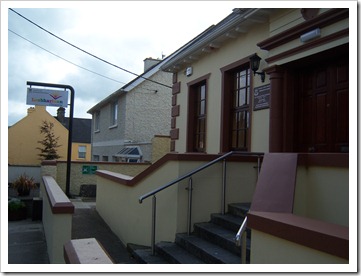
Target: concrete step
{"x":143,"y":255}
{"x":239,"y":209}
{"x":220,"y":236}
{"x":208,"y":252}
{"x":230,"y":222}
{"x":175,"y":254}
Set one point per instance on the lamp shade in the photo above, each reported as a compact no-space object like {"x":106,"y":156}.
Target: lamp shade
{"x":255,"y":60}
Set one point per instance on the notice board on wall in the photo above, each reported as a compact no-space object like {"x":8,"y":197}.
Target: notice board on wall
{"x":261,"y":97}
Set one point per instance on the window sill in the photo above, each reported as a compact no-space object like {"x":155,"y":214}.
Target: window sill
{"x":113,"y":126}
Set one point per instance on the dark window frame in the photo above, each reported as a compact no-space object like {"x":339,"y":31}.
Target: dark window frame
{"x":228,"y":110}
{"x":194,"y":118}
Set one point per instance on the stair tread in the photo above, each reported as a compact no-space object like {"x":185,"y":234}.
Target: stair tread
{"x":146,"y":256}
{"x":178,"y":254}
{"x":217,"y":252}
{"x":232,"y":222}
{"x":217,"y":230}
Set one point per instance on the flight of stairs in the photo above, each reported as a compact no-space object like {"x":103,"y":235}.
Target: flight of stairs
{"x":211,"y":242}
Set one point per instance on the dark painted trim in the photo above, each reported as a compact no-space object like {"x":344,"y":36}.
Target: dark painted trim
{"x":339,"y":160}
{"x":324,"y":19}
{"x":310,"y":45}
{"x":326,"y":237}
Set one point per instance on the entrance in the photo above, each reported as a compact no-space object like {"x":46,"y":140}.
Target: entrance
{"x":322,"y":109}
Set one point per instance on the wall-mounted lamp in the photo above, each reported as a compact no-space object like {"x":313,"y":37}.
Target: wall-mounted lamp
{"x":255,"y":60}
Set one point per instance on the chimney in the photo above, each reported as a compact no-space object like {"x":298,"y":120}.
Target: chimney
{"x":61,"y":114}
{"x":150,"y":62}
{"x":31,"y":110}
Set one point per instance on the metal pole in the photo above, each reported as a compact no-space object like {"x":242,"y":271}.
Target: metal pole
{"x":258,"y":165}
{"x":224,"y":175}
{"x":244,"y":247}
{"x":189,"y":220}
{"x":70,"y":129}
{"x":154,"y":206}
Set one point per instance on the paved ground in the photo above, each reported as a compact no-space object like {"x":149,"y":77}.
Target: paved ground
{"x":87,"y":223}
{"x":27,"y":244}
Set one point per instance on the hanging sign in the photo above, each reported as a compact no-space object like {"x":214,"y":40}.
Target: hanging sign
{"x":48,"y":97}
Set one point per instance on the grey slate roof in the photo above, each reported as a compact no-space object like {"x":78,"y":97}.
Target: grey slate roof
{"x":81,"y":129}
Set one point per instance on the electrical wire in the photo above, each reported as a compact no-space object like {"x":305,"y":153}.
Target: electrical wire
{"x":78,"y":48}
{"x":64,"y":58}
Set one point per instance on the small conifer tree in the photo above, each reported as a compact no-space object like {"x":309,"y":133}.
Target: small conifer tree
{"x":48,"y":151}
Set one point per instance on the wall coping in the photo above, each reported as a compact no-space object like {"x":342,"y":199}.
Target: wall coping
{"x":305,"y":159}
{"x":132,"y":181}
{"x":323,"y":236}
{"x":59,"y":202}
{"x":85,"y":251}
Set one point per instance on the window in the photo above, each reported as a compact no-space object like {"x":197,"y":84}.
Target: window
{"x":82,"y":152}
{"x":240,"y":109}
{"x":114,"y":114}
{"x":105,"y":158}
{"x":96,"y":158}
{"x":236,"y":103}
{"x":200,"y":118}
{"x":96,"y":120}
{"x":197,"y":115}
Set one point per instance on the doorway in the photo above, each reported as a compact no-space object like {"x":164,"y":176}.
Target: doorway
{"x":322,"y":104}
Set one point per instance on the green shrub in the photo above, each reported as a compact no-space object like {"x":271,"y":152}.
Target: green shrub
{"x":15,"y":204}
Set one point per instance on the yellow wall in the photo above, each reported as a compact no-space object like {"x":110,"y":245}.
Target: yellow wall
{"x":25,"y":134}
{"x":235,"y":50}
{"x":268,"y":249}
{"x":75,"y":151}
{"x":172,"y":203}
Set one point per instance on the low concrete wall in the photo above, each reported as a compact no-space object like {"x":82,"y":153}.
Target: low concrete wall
{"x":57,"y":169}
{"x":57,"y":218}
{"x":323,"y":193}
{"x":86,"y":251}
{"x":118,"y":194}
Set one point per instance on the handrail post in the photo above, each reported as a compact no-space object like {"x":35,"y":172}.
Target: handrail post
{"x":224,"y":175}
{"x":154,"y":206}
{"x":244,"y":247}
{"x":190,"y":191}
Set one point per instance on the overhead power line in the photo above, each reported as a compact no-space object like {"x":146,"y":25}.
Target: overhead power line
{"x":86,"y":52}
{"x":64,"y":58}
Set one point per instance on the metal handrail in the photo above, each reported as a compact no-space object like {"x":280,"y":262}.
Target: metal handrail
{"x":184,"y":176}
{"x":241,"y":239}
{"x":196,"y":171}
{"x":189,"y":175}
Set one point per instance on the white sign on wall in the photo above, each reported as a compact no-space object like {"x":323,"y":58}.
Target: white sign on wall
{"x":48,"y":97}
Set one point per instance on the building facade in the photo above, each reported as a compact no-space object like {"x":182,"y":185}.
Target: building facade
{"x":25,"y":134}
{"x":125,"y":122}
{"x":220,"y":105}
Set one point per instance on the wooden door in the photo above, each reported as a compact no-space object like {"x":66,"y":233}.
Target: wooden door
{"x":322,"y":115}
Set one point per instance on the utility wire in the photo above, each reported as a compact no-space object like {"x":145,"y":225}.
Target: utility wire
{"x":76,"y":47}
{"x":64,"y":58}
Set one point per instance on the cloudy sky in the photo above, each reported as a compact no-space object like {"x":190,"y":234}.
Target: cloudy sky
{"x":123,"y":33}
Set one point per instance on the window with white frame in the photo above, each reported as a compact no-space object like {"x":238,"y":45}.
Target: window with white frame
{"x":82,"y":152}
{"x":114,"y":114}
{"x":96,"y":120}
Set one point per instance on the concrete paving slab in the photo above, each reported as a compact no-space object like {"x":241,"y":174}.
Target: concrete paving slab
{"x":27,"y":243}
